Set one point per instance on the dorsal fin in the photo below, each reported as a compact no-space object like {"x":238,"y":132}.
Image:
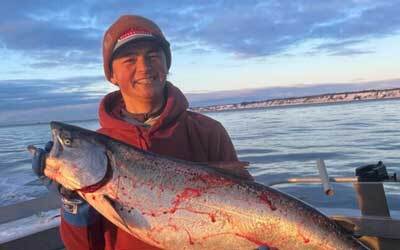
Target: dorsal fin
{"x":235,"y":168}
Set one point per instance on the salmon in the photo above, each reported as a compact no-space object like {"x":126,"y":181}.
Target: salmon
{"x":175,"y":204}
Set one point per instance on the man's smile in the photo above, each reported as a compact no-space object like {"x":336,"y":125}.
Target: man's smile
{"x":145,"y":80}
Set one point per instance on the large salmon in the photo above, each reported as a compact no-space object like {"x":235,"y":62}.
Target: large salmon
{"x":174,"y":204}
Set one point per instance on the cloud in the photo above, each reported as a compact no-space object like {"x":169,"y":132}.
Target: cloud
{"x":42,"y":93}
{"x":69,"y":33}
{"x":342,"y":48}
{"x":39,"y":30}
{"x":272,"y":27}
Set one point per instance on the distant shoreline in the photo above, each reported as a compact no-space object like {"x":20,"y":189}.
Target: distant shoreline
{"x":322,"y":99}
{"x":330,"y":98}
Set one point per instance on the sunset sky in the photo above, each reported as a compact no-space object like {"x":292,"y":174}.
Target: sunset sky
{"x":51,"y":50}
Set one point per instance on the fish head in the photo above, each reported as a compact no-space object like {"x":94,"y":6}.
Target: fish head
{"x":78,"y":157}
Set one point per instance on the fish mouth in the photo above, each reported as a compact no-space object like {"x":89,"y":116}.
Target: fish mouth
{"x":53,"y":164}
{"x":52,"y":169}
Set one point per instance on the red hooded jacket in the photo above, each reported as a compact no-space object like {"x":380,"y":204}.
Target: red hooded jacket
{"x":177,"y":133}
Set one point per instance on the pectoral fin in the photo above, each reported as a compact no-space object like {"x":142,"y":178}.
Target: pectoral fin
{"x":112,"y":212}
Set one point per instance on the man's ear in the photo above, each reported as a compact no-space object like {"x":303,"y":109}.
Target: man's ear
{"x":113,"y":79}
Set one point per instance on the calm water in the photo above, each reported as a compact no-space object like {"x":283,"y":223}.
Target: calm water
{"x":279,"y":143}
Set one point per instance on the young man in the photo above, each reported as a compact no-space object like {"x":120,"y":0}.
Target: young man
{"x":147,"y":112}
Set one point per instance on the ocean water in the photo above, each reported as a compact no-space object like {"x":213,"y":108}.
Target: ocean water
{"x":279,"y":143}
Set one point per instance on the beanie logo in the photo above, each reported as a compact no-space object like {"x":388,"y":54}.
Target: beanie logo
{"x":134,"y":32}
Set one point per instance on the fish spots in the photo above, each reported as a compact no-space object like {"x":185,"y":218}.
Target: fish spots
{"x":187,"y":194}
{"x":212,"y":180}
{"x":265,"y":198}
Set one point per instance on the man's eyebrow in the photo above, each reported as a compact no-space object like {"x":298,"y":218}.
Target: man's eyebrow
{"x":129,"y":53}
{"x":154,"y":49}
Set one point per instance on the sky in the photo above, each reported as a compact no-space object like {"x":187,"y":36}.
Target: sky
{"x":52,"y":61}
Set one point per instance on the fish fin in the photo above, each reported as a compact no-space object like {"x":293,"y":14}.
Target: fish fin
{"x":236,"y":168}
{"x":111,"y":210}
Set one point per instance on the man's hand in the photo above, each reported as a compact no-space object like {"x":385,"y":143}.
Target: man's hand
{"x":39,"y":163}
{"x":39,"y":159}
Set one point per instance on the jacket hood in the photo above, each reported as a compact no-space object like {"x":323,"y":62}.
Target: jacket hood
{"x":111,"y":105}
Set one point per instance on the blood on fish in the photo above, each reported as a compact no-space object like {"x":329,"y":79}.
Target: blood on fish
{"x":305,"y":239}
{"x":264,"y":197}
{"x":191,"y":242}
{"x":212,"y":216}
{"x":185,"y":195}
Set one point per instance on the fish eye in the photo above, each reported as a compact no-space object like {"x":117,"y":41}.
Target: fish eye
{"x":67,"y":141}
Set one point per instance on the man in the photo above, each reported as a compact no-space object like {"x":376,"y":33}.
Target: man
{"x":147,"y":112}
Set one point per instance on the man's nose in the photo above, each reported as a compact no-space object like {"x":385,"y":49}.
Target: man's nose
{"x":143,"y":64}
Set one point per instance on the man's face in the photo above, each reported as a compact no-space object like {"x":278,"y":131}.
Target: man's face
{"x":140,"y":70}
